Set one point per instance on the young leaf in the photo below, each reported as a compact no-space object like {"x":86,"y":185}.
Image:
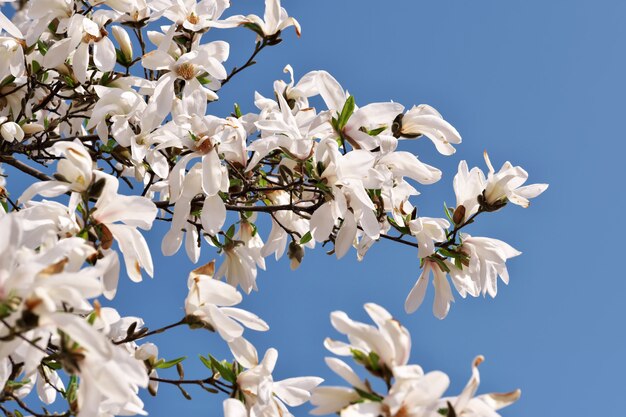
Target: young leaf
{"x":161,"y":364}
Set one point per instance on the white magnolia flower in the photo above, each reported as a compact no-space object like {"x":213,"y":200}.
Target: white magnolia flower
{"x":274,"y":20}
{"x":389,"y":340}
{"x":468,"y":185}
{"x":281,"y":129}
{"x":416,"y":396}
{"x":11,"y":56}
{"x":10,"y":131}
{"x":264,"y":396}
{"x":334,"y":398}
{"x":109,"y":376}
{"x":75,"y":171}
{"x":123,"y":40}
{"x":487,"y":260}
{"x":425,"y":120}
{"x":467,"y":405}
{"x":443,"y":293}
{"x":239,"y":267}
{"x":506,"y":185}
{"x":345,"y":175}
{"x":203,"y":59}
{"x":195,"y":15}
{"x":211,"y":301}
{"x":463,"y":282}
{"x":427,"y":231}
{"x":132,"y":212}
{"x":212,"y":217}
{"x":83,"y":33}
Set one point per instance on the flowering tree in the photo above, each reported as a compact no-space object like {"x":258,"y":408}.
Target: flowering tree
{"x":104,"y":104}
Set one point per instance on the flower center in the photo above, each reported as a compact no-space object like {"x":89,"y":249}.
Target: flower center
{"x":186,"y":71}
{"x":88,"y":38}
{"x":193,"y":18}
{"x":204,"y":145}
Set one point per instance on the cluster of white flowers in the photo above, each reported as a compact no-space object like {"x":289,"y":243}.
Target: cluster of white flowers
{"x":115,"y":95}
{"x":384,"y":352}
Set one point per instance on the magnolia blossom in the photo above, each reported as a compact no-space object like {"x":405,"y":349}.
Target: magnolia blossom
{"x":110,"y":377}
{"x":467,"y":405}
{"x":425,"y":120}
{"x":389,"y":340}
{"x":427,"y":231}
{"x":75,"y":171}
{"x":506,"y":185}
{"x":82,"y":33}
{"x":196,"y":15}
{"x":10,"y":131}
{"x":468,"y":186}
{"x":211,"y":301}
{"x":203,"y":59}
{"x":487,"y":261}
{"x":410,"y":391}
{"x":11,"y":56}
{"x":274,"y":20}
{"x":264,"y":396}
{"x":443,"y":293}
{"x":132,"y":212}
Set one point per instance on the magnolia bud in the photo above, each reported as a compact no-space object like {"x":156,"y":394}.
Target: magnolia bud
{"x":32,"y":128}
{"x":459,"y":214}
{"x":295,"y":254}
{"x":122,"y":38}
{"x":11,"y":131}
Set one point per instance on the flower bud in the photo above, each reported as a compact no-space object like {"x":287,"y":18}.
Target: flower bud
{"x":11,"y":131}
{"x":122,"y":38}
{"x":32,"y":128}
{"x":295,"y":254}
{"x":459,"y":214}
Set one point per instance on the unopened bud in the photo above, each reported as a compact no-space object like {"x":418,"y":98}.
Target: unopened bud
{"x":122,"y":38}
{"x":96,"y":188}
{"x":295,"y":254}
{"x":459,"y":214}
{"x":32,"y":128}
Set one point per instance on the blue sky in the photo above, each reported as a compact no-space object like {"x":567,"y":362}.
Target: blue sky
{"x":538,"y":83}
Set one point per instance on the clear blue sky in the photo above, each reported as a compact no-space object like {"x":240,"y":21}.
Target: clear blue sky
{"x":539,"y":83}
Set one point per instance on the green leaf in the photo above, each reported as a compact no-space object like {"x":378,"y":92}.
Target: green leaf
{"x":17,"y":384}
{"x":69,"y":81}
{"x":346,"y":112}
{"x":43,"y":48}
{"x":231,"y":231}
{"x":162,"y":364}
{"x":238,"y":111}
{"x":378,"y":131}
{"x":255,"y":28}
{"x":359,"y":356}
{"x":368,"y":395}
{"x":36,"y":66}
{"x":306,"y":238}
{"x":205,"y":362}
{"x":447,"y":211}
{"x":7,"y":80}
{"x":55,"y":366}
{"x":440,"y":262}
{"x":374,"y":360}
{"x":223,"y":370}
{"x":447,"y":253}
